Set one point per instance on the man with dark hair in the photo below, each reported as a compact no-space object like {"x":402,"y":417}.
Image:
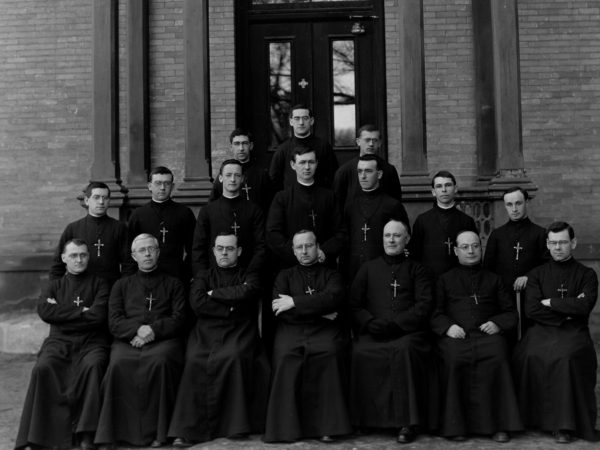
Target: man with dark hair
{"x":171,"y":223}
{"x":63,"y":398}
{"x":366,"y":216}
{"x":391,"y":299}
{"x":345,"y":182}
{"x":516,"y":247}
{"x":309,"y":385}
{"x":473,"y":310}
{"x":301,"y":121}
{"x":305,"y":205}
{"x":106,"y":237}
{"x":257,"y":184}
{"x":555,"y":363}
{"x":231,"y":213}
{"x":146,"y":316}
{"x":225,"y":382}
{"x":434,"y":230}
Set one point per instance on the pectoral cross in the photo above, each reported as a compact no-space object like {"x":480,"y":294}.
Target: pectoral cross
{"x":312,"y":215}
{"x":163,"y":232}
{"x":98,"y":245}
{"x":448,"y":243}
{"x":518,"y":248}
{"x":395,"y":285}
{"x":562,"y":290}
{"x":78,"y":301}
{"x":474,"y":297}
{"x":235,"y":227}
{"x":150,"y":299}
{"x":365,"y":228}
{"x":246,"y":188}
{"x":309,"y":291}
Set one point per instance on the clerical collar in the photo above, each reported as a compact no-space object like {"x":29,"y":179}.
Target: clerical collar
{"x":368,"y":191}
{"x":524,"y":219}
{"x":446,"y":207}
{"x":562,"y":261}
{"x":160,"y":202}
{"x":231,"y":197}
{"x":148,"y":272}
{"x":302,"y":137}
{"x":394,"y":259}
{"x":305,"y":184}
{"x":93,"y":216}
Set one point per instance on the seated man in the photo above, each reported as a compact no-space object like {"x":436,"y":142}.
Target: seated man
{"x":391,"y":300}
{"x":225,"y":382}
{"x":473,"y":310}
{"x":146,"y":318}
{"x":63,"y":398}
{"x":555,"y":363}
{"x":308,"y":395}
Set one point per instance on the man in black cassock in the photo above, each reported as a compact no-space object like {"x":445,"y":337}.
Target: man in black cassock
{"x":345,"y":182}
{"x":366,"y":215}
{"x":230,"y":213}
{"x":555,"y":364}
{"x":309,"y":383}
{"x":434,"y":230}
{"x":473,"y":310}
{"x":146,"y":318}
{"x":391,"y":299}
{"x":301,"y":121}
{"x":516,"y":247}
{"x":257,"y":184}
{"x":63,"y":398}
{"x":171,"y":223}
{"x":106,"y":237}
{"x":225,"y":382}
{"x":305,"y":205}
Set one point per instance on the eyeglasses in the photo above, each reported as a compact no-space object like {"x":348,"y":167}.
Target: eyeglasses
{"x":558,"y":243}
{"x":301,"y":118}
{"x":151,"y":250}
{"x":465,"y":247}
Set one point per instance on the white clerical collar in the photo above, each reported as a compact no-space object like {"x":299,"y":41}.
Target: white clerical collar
{"x":161,"y":201}
{"x":301,"y":137}
{"x":371,"y":190}
{"x":97,"y":217}
{"x":306,"y":184}
{"x":446,"y":207}
{"x":231,"y":197}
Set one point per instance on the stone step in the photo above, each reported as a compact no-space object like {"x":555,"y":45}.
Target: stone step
{"x":22,"y":332}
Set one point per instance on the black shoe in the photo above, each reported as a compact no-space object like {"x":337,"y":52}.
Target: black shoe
{"x":501,"y":436}
{"x":406,"y":435}
{"x":562,"y":437}
{"x":181,"y":443}
{"x":326,"y":439}
{"x":156,"y":444}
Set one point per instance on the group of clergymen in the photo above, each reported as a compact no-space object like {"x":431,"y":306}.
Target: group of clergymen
{"x":367,"y":324}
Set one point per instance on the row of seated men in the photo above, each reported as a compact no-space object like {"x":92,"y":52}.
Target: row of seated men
{"x":354,"y":237}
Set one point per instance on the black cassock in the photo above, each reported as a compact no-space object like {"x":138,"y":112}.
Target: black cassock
{"x":365,"y":218}
{"x":310,"y":375}
{"x":346,"y":185}
{"x":256,"y":188}
{"x":106,"y":239}
{"x":231,"y":215}
{"x":555,"y":363}
{"x":281,"y":173}
{"x":64,"y":392}
{"x":225,"y":382}
{"x":140,"y":385}
{"x":478,"y":396}
{"x":172,"y":224}
{"x":393,"y":379}
{"x":301,"y":207}
{"x":433,"y":235}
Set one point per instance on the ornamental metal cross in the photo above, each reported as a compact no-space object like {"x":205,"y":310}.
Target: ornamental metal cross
{"x":395,"y":285}
{"x":235,"y":227}
{"x":474,"y":297}
{"x":246,"y":188}
{"x":98,"y":245}
{"x":312,"y":215}
{"x":150,"y":299}
{"x":518,"y":248}
{"x":309,"y":291}
{"x":303,"y":83}
{"x":365,"y":228}
{"x":448,"y":243}
{"x":163,"y":232}
{"x":562,"y":290}
{"x":78,"y":301}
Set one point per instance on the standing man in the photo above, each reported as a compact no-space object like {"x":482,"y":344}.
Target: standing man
{"x":345,"y":184}
{"x":305,"y":205}
{"x":146,"y":317}
{"x":555,"y":363}
{"x":434,"y":230}
{"x":301,"y":121}
{"x":171,"y":223}
{"x":371,"y":208}
{"x":473,"y":310}
{"x":308,"y":388}
{"x":257,"y":184}
{"x":517,"y":246}
{"x":391,"y":300}
{"x":64,"y":398}
{"x":225,"y":382}
{"x":230,"y":213}
{"x":106,"y":237}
